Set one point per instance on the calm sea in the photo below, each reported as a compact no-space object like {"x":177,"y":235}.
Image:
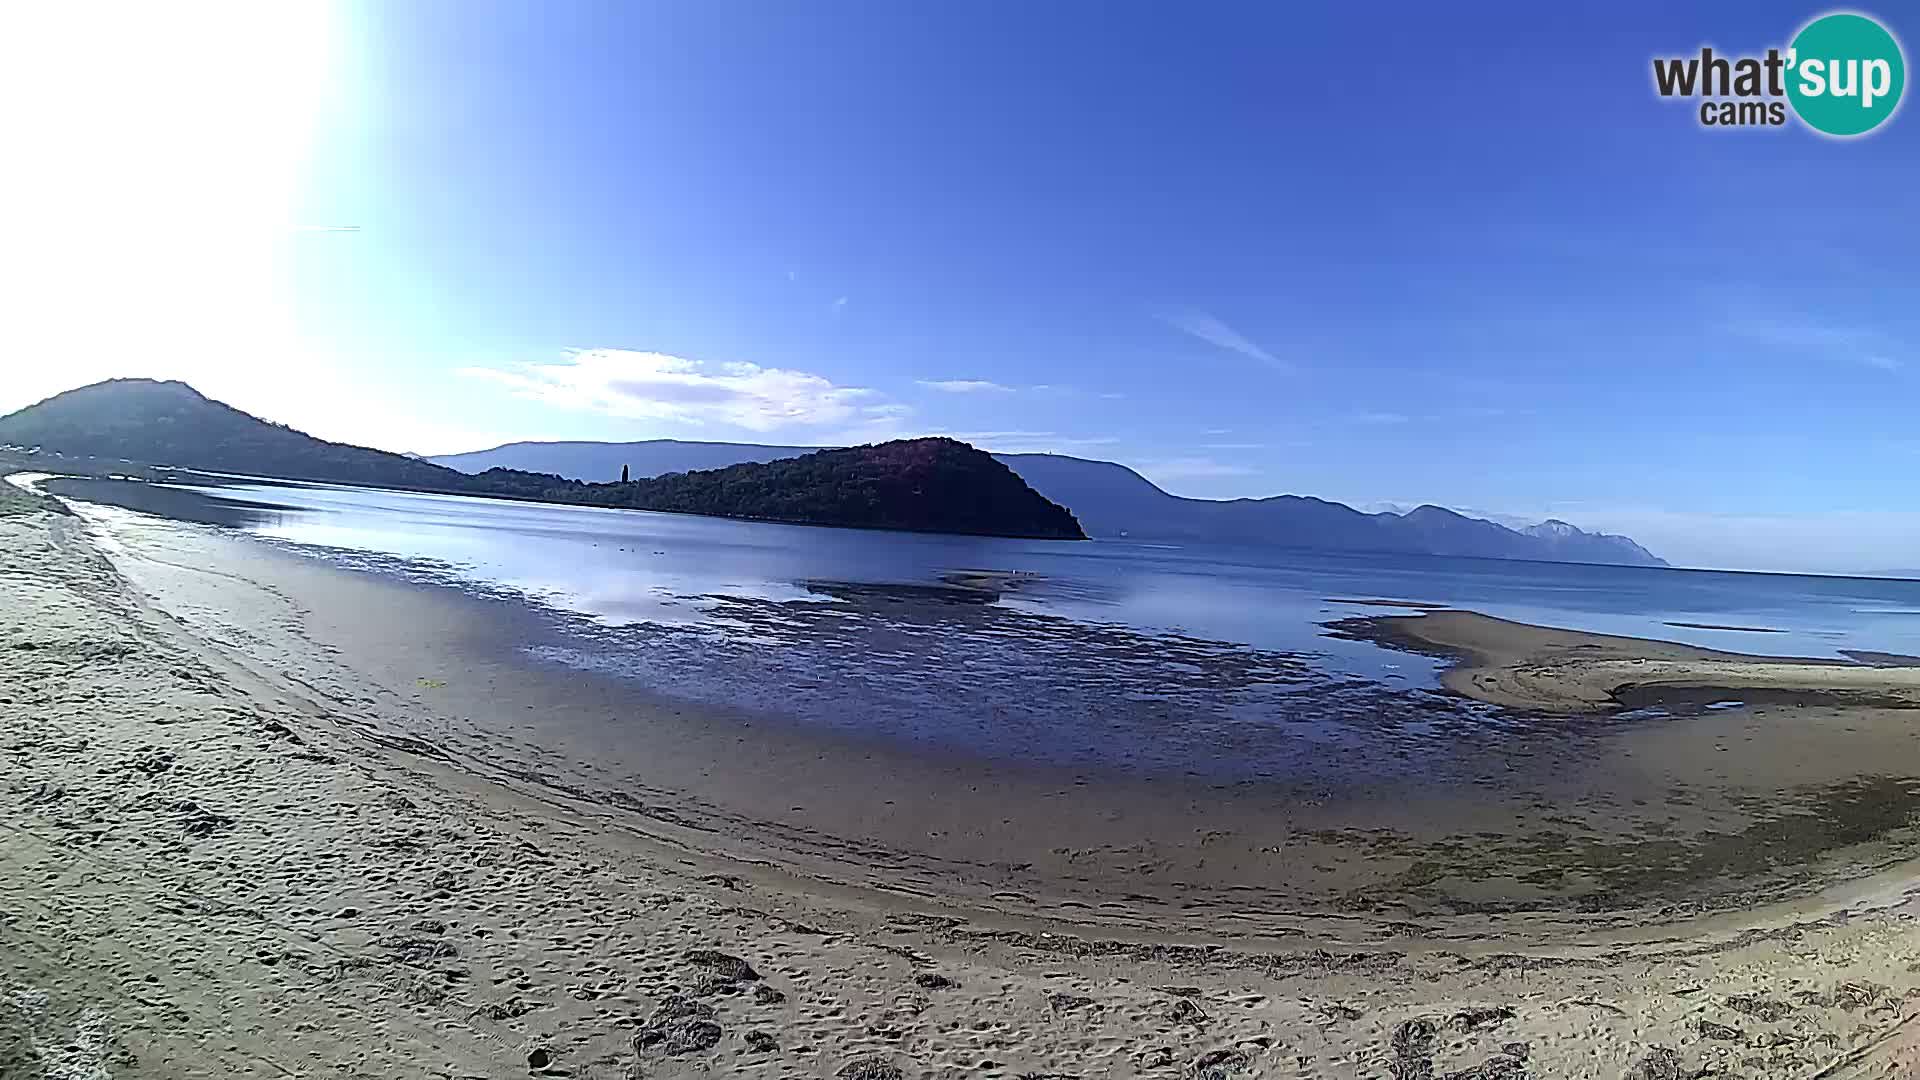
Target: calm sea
{"x":1096,"y":652}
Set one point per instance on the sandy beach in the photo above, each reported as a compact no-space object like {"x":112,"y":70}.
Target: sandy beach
{"x":1531,"y":667}
{"x":266,"y":817}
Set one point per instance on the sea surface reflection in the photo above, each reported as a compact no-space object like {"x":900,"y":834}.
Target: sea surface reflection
{"x":1210,"y":661}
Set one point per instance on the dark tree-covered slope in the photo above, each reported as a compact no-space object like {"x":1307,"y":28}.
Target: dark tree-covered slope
{"x":925,"y":485}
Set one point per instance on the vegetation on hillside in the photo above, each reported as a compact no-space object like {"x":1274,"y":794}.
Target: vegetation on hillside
{"x":926,"y":485}
{"x":923,"y":485}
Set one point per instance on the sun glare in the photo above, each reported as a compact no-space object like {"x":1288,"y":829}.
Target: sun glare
{"x":154,"y":198}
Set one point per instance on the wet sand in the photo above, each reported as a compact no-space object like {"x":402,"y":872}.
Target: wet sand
{"x":1432,"y":817}
{"x":1532,"y":667}
{"x":266,"y":816}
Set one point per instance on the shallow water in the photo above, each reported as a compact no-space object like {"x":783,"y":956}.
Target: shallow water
{"x":1082,"y":747}
{"x":1204,"y":661}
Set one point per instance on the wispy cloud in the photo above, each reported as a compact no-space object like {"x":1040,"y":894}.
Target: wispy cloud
{"x":656,"y":386}
{"x":1214,"y":332}
{"x":966,"y":386}
{"x":1856,"y":344}
{"x":1380,"y":418}
{"x":1233,"y":446}
{"x":1032,"y":442}
{"x":1191,"y":468}
{"x":1800,"y":334}
{"x":1070,"y":391}
{"x":839,"y":304}
{"x":882,"y":422}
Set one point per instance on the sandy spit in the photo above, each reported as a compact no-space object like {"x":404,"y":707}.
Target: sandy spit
{"x":1536,"y":667}
{"x":207,"y":870}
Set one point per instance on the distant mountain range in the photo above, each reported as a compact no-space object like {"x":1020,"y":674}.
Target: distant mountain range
{"x":924,"y":485}
{"x":1112,"y":500}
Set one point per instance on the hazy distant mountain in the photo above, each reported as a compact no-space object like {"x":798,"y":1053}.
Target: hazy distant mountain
{"x":1511,"y":521}
{"x":1572,"y":545}
{"x":927,"y":485}
{"x":1113,"y":500}
{"x":598,"y":462}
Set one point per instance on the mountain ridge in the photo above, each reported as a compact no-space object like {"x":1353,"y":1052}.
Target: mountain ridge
{"x":1113,"y":500}
{"x":921,"y":485}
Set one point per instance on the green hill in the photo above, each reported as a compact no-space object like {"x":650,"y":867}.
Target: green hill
{"x":923,"y":485}
{"x":171,"y":423}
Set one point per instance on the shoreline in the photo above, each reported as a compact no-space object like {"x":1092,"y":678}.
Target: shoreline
{"x":443,"y":671}
{"x":87,"y":469}
{"x":1521,"y":666}
{"x":368,"y":895}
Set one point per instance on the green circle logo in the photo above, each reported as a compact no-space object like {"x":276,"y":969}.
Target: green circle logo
{"x":1845,"y":74}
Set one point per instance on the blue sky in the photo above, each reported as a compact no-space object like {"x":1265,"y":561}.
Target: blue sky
{"x":1371,"y":253}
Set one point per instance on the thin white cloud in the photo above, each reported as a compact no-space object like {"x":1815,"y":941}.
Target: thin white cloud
{"x":1214,"y":332}
{"x":1380,"y":418}
{"x":839,"y":305}
{"x":877,"y":423}
{"x":1031,"y":442}
{"x":1796,"y":334}
{"x":966,"y":386}
{"x":1068,"y":390}
{"x":1190,"y":468}
{"x":656,"y":386}
{"x":1233,"y":446}
{"x":1859,"y":344}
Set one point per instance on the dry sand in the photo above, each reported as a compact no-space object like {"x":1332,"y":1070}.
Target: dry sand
{"x":218,"y":861}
